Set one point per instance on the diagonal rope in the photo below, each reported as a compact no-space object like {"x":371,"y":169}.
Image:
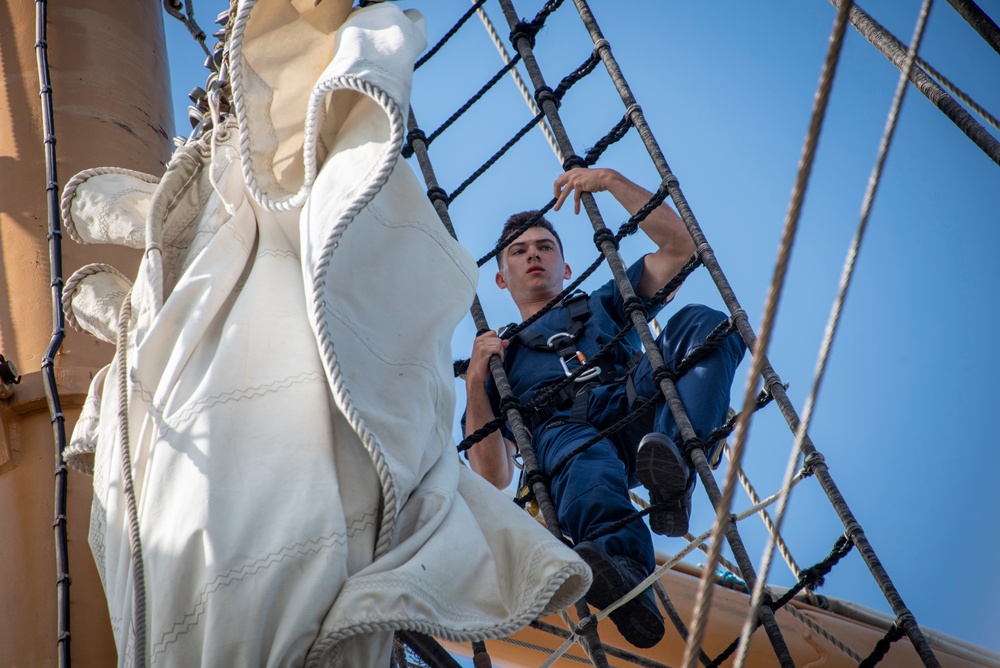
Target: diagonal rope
{"x":185,"y":14}
{"x":476,"y":5}
{"x":895,"y":52}
{"x":704,"y":598}
{"x":835,"y":314}
{"x":518,"y":80}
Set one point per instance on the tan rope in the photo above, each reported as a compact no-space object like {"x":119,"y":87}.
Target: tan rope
{"x":518,"y":81}
{"x":704,"y":599}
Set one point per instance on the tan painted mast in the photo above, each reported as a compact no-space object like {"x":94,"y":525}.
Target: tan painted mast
{"x":110,"y":92}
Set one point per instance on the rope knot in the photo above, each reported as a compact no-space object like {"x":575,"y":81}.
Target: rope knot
{"x":691,"y":444}
{"x":524,"y":30}
{"x":663,"y":374}
{"x":634,"y":304}
{"x":572,"y":162}
{"x":602,"y":235}
{"x":436,"y":194}
{"x":812,"y":460}
{"x":508,"y":402}
{"x":545,"y":94}
{"x":416,"y":134}
{"x":533,"y":476}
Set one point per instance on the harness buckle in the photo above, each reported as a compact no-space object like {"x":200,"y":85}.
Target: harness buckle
{"x":565,"y":348}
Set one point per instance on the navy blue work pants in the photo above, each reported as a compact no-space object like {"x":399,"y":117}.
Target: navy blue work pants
{"x":592,"y":490}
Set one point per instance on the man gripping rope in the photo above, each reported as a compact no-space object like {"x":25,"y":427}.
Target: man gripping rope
{"x":591,"y":492}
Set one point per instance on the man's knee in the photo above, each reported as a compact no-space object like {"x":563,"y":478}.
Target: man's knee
{"x":688,"y":328}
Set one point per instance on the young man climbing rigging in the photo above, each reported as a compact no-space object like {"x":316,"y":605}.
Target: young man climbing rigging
{"x":591,"y":492}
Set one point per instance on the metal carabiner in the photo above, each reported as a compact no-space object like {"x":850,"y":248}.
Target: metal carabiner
{"x":580,"y":358}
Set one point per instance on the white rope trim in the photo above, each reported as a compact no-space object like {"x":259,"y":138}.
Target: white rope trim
{"x":69,"y":192}
{"x":74,"y":282}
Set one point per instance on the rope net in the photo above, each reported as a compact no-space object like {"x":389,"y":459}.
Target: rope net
{"x":555,"y":105}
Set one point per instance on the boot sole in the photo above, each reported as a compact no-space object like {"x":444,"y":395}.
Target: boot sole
{"x":639,"y":625}
{"x":666,"y":480}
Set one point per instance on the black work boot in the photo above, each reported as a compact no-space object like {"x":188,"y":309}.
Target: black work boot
{"x":639,"y":621}
{"x":662,"y":471}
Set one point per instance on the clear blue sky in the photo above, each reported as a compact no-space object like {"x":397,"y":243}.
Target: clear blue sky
{"x":905,"y":417}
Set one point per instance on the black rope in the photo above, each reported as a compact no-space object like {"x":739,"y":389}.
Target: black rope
{"x":58,"y":333}
{"x":763,"y":399}
{"x":809,"y":578}
{"x":408,"y":148}
{"x":528,"y":29}
{"x":448,"y":35}
{"x":675,"y":619}
{"x":882,"y":647}
{"x":620,"y":130}
{"x":564,"y":86}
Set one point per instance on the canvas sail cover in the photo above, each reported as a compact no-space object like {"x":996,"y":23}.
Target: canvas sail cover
{"x":282,"y":390}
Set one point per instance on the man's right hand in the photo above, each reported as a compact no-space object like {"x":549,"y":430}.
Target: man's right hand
{"x":484,"y":347}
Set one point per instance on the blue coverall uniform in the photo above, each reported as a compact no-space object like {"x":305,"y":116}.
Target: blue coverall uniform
{"x":592,"y":491}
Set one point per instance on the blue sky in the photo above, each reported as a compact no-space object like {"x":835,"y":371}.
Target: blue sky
{"x":905,"y":415}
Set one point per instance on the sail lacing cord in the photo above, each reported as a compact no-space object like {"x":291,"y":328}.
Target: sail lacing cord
{"x":63,"y":580}
{"x":835,"y":313}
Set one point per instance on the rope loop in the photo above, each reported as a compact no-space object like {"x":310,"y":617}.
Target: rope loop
{"x":572,"y":162}
{"x":545,"y":94}
{"x":416,"y":134}
{"x":634,"y":304}
{"x":663,"y":374}
{"x":587,"y":623}
{"x":508,"y":402}
{"x":604,"y":234}
{"x":533,"y":476}
{"x":812,"y":460}
{"x":690,"y":445}
{"x":603,"y":44}
{"x":437,"y":194}
{"x":524,"y":30}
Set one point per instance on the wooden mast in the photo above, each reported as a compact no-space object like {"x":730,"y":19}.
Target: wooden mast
{"x":110,"y":91}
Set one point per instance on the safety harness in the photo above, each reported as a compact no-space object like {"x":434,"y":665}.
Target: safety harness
{"x":563,"y":345}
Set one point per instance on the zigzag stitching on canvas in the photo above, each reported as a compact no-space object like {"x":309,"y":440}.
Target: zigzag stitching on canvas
{"x":278,"y":252}
{"x":190,"y":620}
{"x":244,"y":393}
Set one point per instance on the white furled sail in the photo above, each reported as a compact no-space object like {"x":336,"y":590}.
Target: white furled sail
{"x":283,"y":387}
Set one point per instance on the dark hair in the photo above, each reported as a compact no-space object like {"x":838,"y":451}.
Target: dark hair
{"x":519,"y":219}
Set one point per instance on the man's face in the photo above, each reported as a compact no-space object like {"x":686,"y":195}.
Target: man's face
{"x":533,"y":267}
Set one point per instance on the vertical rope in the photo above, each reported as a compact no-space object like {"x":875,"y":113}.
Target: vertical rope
{"x":128,"y":488}
{"x":64,"y":655}
{"x":845,"y":281}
